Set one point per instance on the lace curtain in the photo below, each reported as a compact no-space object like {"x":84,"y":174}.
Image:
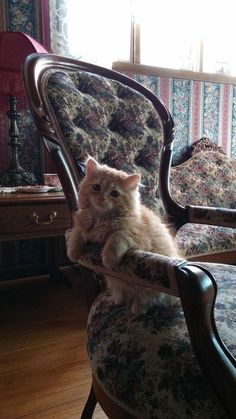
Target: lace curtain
{"x":97,"y":31}
{"x":59,"y":27}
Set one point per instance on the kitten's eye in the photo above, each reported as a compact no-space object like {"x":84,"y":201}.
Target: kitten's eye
{"x":96,"y":187}
{"x":115,"y":194}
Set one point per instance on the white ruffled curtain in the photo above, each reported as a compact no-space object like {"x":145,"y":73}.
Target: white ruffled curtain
{"x":96,"y":31}
{"x":59,"y":27}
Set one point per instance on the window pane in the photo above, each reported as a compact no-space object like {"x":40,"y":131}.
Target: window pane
{"x":99,"y":31}
{"x":219,"y":37}
{"x":171,"y":32}
{"x":168,"y":32}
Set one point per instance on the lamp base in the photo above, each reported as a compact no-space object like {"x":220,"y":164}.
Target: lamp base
{"x":13,"y":177}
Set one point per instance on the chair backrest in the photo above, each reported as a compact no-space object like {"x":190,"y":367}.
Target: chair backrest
{"x":81,"y":109}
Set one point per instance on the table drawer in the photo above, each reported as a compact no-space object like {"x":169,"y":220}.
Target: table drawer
{"x":32,"y":221}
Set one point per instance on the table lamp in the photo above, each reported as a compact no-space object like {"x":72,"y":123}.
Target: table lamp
{"x":14,"y":48}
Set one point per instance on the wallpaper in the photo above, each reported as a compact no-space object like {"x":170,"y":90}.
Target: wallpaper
{"x":22,"y":16}
{"x":198,"y":109}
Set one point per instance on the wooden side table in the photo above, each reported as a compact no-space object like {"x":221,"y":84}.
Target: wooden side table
{"x":33,"y":215}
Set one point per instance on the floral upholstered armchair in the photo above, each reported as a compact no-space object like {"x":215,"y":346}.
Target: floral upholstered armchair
{"x":207,"y":178}
{"x":169,"y":362}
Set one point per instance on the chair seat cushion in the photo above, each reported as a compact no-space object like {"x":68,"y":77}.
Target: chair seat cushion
{"x":202,"y":239}
{"x":145,"y":363}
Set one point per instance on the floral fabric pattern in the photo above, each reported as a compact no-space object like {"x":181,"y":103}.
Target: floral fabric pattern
{"x":201,"y":239}
{"x":205,"y":144}
{"x":22,"y":16}
{"x":208,"y":179}
{"x":207,"y":108}
{"x":180,"y":112}
{"x":118,"y":126}
{"x":225,"y":305}
{"x":111,"y":122}
{"x":211,"y":109}
{"x":157,"y":375}
{"x":233,"y":133}
{"x":137,"y":266}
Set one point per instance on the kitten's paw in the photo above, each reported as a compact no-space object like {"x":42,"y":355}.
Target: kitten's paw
{"x":83,"y":220}
{"x":75,"y":244}
{"x":118,"y":298}
{"x":137,"y":308}
{"x":110,"y":260}
{"x":74,"y":254}
{"x":68,"y":235}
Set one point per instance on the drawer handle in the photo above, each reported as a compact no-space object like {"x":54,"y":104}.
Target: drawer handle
{"x":44,"y":223}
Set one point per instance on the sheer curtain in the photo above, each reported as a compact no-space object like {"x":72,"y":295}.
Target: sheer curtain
{"x":219,"y":33}
{"x":59,"y":21}
{"x":96,"y":31}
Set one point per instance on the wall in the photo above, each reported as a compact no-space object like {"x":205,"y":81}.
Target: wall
{"x":198,"y":109}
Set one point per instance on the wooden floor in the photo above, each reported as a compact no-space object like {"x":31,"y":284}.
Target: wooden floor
{"x":44,"y":371}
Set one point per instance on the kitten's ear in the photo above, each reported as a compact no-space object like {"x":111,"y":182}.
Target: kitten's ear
{"x":91,"y":166}
{"x":132,"y":181}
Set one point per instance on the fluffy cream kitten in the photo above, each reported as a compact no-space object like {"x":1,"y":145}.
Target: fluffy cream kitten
{"x":111,"y":213}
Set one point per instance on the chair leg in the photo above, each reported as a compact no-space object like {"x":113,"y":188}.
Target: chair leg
{"x":90,"y":282}
{"x":89,"y":406}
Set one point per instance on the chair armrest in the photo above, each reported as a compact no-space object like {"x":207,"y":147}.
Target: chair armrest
{"x":224,"y":217}
{"x":145,"y":269}
{"x":198,"y":290}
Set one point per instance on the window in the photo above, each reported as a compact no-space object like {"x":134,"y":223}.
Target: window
{"x":189,"y":35}
{"x":99,"y":30}
{"x":178,"y":34}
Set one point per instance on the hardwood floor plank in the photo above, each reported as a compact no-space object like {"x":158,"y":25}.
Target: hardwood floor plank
{"x":44,"y":368}
{"x":67,"y":411}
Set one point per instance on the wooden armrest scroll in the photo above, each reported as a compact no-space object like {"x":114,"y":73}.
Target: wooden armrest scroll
{"x":198,"y":291}
{"x":214,"y":216}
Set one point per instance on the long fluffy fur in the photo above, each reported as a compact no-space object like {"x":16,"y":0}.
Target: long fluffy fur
{"x":111,"y":213}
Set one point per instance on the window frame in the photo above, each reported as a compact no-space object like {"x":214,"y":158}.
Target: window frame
{"x":147,"y":70}
{"x":135,"y":66}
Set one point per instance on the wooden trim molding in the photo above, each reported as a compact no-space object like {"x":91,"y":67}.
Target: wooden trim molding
{"x":146,"y":70}
{"x":44,"y":24}
{"x":3,"y":15}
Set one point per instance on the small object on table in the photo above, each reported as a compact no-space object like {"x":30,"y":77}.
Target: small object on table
{"x":38,"y":189}
{"x":51,"y":179}
{"x":7,"y":189}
